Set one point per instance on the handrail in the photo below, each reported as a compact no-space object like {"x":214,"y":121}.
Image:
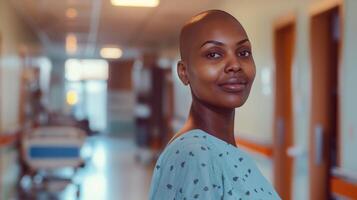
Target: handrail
{"x":8,"y":139}
{"x":262,"y":149}
{"x":343,"y":187}
{"x":339,"y":185}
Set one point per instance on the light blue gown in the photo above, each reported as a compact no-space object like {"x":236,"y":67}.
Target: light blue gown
{"x":197,"y":165}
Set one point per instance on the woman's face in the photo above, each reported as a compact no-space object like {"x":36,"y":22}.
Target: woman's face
{"x":220,"y":67}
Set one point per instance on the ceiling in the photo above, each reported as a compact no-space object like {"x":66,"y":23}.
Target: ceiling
{"x":99,"y":23}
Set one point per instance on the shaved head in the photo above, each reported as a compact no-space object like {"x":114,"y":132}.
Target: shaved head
{"x":199,"y":23}
{"x":216,"y":60}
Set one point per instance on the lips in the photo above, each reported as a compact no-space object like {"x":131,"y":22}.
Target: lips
{"x":234,"y":85}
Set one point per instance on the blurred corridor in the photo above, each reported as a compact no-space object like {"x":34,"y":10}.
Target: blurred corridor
{"x":89,"y":95}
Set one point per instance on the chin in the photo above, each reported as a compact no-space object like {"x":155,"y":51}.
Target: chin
{"x":230,"y":103}
{"x":234,"y":101}
{"x":224,"y":100}
{"x":236,"y":104}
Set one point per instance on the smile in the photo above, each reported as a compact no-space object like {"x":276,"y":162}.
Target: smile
{"x":233,"y":87}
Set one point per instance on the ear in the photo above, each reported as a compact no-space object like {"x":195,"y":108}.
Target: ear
{"x":182,"y":72}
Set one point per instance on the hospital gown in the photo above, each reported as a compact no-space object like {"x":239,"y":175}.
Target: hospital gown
{"x":197,"y":165}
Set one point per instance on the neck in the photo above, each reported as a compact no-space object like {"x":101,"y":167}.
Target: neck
{"x":218,"y":122}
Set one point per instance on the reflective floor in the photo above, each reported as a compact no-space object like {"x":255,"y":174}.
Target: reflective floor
{"x":111,"y":173}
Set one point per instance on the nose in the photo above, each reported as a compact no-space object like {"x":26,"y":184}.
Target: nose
{"x":233,"y":64}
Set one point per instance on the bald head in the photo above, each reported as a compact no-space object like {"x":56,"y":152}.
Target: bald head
{"x":200,"y":23}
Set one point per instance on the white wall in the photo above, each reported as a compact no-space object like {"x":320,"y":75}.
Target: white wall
{"x":14,"y":35}
{"x":348,"y":89}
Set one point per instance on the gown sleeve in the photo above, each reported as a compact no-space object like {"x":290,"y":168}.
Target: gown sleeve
{"x":187,"y":172}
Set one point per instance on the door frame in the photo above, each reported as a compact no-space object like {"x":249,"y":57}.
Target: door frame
{"x":283,"y":127}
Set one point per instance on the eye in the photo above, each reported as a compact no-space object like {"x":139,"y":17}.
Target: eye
{"x":244,"y":53}
{"x":213,"y":55}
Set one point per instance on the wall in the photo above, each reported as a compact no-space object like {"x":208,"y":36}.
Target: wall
{"x":16,"y":37}
{"x":348,"y":93}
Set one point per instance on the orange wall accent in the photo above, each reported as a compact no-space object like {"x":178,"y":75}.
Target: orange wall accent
{"x":343,"y":188}
{"x":6,"y":140}
{"x":257,"y":148}
{"x":9,"y":138}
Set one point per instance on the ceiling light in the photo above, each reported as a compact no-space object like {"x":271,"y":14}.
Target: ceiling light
{"x":71,"y":13}
{"x":136,"y":3}
{"x":111,"y":52}
{"x":71,"y":43}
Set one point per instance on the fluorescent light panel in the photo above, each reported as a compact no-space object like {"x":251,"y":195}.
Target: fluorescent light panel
{"x":136,"y":3}
{"x":86,"y":69}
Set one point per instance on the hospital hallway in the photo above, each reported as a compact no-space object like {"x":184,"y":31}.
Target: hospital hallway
{"x":90,"y":94}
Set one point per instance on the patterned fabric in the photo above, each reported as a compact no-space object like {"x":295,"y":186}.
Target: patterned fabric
{"x":197,"y":165}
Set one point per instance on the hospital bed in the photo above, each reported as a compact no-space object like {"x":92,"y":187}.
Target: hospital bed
{"x":48,"y":154}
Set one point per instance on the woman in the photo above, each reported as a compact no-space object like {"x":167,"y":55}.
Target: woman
{"x":202,"y":161}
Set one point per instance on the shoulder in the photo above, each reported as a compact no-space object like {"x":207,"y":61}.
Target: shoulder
{"x":187,"y":152}
{"x":194,"y":141}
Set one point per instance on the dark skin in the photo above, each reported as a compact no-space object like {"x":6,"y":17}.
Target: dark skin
{"x":217,"y":64}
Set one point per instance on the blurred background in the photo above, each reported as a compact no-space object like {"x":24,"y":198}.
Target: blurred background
{"x":89,"y":95}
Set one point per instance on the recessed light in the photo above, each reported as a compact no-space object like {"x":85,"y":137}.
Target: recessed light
{"x":111,"y":52}
{"x":71,"y":43}
{"x":72,"y":97}
{"x":71,"y":13}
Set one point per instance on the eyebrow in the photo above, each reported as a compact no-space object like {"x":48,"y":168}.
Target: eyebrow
{"x":222,"y":44}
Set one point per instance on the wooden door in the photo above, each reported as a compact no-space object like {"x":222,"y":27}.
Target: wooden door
{"x":284,"y":41}
{"x":0,"y":88}
{"x":168,"y":105}
{"x":325,"y":45}
{"x":120,"y":98}
{"x":1,"y":169}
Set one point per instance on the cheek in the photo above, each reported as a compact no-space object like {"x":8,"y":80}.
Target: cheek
{"x":251,"y":71}
{"x":203,"y":81}
{"x":252,"y":75}
{"x":205,"y":74}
